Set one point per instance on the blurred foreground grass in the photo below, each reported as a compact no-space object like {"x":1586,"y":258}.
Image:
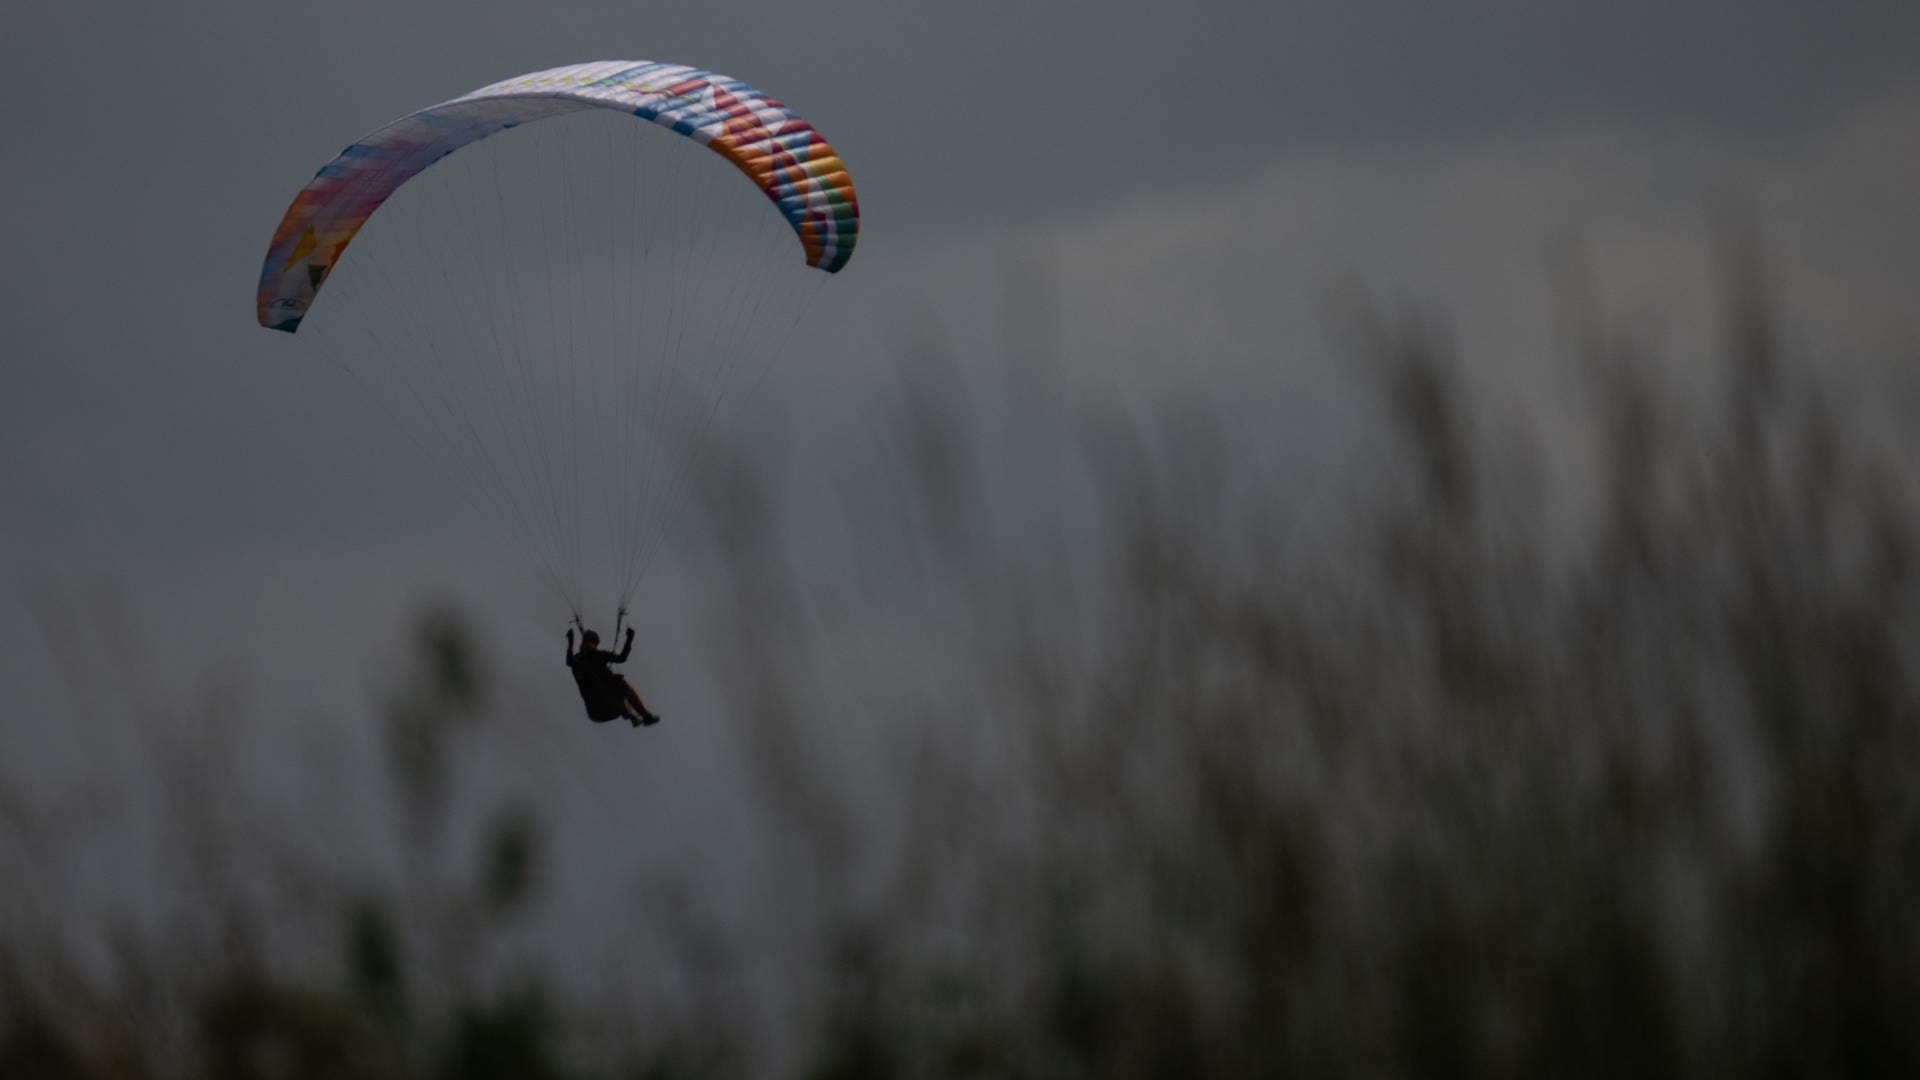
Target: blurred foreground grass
{"x":1496,"y":785}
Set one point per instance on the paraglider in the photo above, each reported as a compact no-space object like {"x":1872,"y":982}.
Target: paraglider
{"x":782,"y":153}
{"x":577,"y":306}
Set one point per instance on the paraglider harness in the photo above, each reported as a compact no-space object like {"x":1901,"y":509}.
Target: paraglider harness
{"x":602,"y":690}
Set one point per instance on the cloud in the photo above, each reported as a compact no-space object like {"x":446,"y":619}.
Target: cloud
{"x":1490,"y":236}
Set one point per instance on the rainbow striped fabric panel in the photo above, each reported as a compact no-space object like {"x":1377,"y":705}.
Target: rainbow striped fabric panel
{"x":781,"y":152}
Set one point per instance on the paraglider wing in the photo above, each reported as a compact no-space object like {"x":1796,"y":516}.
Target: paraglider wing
{"x":778,"y":150}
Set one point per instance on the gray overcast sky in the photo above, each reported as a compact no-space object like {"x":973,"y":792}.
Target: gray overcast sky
{"x":1195,"y":171}
{"x":152,"y":145}
{"x":1192,"y":171}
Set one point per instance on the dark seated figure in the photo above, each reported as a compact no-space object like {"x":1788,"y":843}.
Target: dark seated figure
{"x":605,"y":692}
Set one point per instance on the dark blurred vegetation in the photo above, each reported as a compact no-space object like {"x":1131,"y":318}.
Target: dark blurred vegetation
{"x":1610,"y":776}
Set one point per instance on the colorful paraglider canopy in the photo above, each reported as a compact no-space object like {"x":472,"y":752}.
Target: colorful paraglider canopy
{"x":782,"y":153}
